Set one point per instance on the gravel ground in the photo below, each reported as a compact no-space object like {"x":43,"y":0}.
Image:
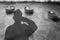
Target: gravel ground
{"x":40,"y":17}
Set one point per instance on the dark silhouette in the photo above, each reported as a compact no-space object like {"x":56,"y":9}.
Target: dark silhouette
{"x":19,"y":31}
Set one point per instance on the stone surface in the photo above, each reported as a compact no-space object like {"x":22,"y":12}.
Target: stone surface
{"x":40,"y":17}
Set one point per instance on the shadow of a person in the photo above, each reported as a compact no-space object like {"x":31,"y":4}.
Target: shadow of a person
{"x":19,"y":31}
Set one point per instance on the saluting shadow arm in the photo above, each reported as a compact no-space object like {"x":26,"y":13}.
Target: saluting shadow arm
{"x":30,"y":23}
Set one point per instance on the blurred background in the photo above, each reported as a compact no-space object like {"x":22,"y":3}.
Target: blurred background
{"x":40,"y":16}
{"x":28,"y":0}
